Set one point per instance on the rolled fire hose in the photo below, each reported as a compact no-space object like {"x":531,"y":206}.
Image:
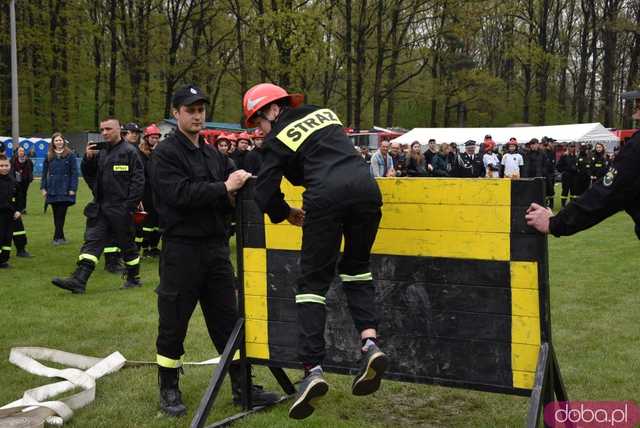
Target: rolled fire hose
{"x":36,"y":410}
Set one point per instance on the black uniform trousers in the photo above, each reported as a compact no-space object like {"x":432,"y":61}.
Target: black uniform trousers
{"x":568,"y":187}
{"x":21,"y":195}
{"x":192,"y":271}
{"x":6,"y":234}
{"x":322,"y":234}
{"x":151,"y":230}
{"x":550,"y":183}
{"x":103,"y":230}
{"x":19,"y":235}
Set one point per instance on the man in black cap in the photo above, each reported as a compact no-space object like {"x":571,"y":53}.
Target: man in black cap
{"x":132,"y":133}
{"x":194,"y":186}
{"x":471,"y":164}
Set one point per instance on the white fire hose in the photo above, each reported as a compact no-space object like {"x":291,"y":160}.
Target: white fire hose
{"x":34,"y":410}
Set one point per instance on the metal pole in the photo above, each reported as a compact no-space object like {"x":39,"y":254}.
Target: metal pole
{"x":15,"y":113}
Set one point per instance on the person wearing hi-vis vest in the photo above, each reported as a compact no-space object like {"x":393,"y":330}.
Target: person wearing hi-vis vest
{"x":308,"y":146}
{"x":115,"y":174}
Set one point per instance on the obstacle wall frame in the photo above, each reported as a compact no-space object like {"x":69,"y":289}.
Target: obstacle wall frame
{"x":461,"y":280}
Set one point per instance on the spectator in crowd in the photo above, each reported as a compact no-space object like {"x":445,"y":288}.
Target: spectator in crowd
{"x":381,"y":162}
{"x":364,"y":152}
{"x":490,"y":160}
{"x":512,"y":160}
{"x":567,"y":166}
{"x":151,"y":226}
{"x":417,"y":163}
{"x":22,"y":170}
{"x":132,"y":133}
{"x":432,"y":150}
{"x":549,"y":169}
{"x":470,"y":164}
{"x":599,"y":163}
{"x":253,"y":160}
{"x":233,"y":144}
{"x":238,"y":156}
{"x":399,"y":160}
{"x":583,"y":170}
{"x":533,"y":160}
{"x":222,"y":144}
{"x":59,"y":183}
{"x":443,"y":162}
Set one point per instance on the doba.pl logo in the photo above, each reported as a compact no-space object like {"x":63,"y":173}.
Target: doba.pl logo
{"x":592,"y":414}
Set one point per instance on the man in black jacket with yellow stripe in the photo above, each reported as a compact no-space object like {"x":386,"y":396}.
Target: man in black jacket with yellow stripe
{"x":116,"y":177}
{"x":307,"y":145}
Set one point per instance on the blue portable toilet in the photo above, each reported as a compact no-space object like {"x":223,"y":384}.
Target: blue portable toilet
{"x":41,"y":148}
{"x":27,"y":145}
{"x":9,"y":145}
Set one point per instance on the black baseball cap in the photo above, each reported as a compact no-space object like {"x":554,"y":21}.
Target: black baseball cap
{"x":187,"y":95}
{"x":132,"y":127}
{"x":469,"y":143}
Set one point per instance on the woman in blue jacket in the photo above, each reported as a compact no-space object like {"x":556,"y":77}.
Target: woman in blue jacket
{"x":59,"y":183}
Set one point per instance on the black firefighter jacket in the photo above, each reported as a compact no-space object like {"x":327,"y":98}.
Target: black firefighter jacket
{"x":308,"y":146}
{"x":116,"y":178}
{"x":188,"y":187}
{"x":618,"y":190}
{"x":7,"y":193}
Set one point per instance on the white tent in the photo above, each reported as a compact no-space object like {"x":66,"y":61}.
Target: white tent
{"x":583,"y":132}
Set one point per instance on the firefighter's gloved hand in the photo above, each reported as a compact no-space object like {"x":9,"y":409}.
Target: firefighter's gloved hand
{"x":296,"y":216}
{"x":236,"y":180}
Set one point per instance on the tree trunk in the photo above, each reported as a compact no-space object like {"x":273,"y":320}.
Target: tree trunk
{"x":594,"y":62}
{"x":380,"y":51}
{"x":566,"y":50}
{"x":361,"y":40}
{"x":632,"y":77}
{"x":581,"y":86}
{"x":348,"y":61}
{"x":609,"y":60}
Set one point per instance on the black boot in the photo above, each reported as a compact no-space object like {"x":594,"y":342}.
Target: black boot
{"x":170,"y":396}
{"x":77,"y":283}
{"x":22,"y":252}
{"x":259,"y":397}
{"x":133,"y":277}
{"x":113,"y":263}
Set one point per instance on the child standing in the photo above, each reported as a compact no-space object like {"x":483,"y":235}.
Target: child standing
{"x":8,"y":213}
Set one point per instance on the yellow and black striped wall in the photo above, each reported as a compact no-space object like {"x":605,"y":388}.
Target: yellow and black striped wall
{"x":461,"y":280}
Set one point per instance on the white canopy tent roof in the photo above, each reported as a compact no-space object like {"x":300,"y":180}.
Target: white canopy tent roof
{"x":582,"y":132}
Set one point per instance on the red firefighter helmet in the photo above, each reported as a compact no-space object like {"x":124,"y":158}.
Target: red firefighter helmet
{"x":139,"y":217}
{"x":151,"y":130}
{"x":244,"y":136}
{"x":262,"y":95}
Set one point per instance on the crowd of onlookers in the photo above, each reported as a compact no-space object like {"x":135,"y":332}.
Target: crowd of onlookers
{"x":576,"y":165}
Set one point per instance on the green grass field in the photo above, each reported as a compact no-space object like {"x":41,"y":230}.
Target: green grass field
{"x":595,"y":303}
